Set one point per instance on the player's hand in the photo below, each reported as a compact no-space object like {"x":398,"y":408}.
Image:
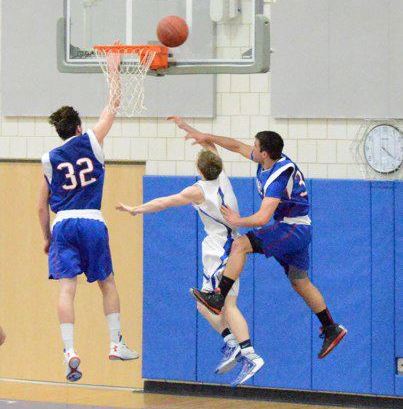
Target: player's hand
{"x":124,"y":208}
{"x":181,"y":123}
{"x":2,"y":336}
{"x":46,"y":246}
{"x":192,"y":133}
{"x":230,"y":216}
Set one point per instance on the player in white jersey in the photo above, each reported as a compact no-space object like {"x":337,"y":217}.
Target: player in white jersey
{"x":207,"y":196}
{"x":78,"y":241}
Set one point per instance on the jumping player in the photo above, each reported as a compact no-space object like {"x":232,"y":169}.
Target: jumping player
{"x":281,"y":186}
{"x":78,"y":241}
{"x":207,"y":196}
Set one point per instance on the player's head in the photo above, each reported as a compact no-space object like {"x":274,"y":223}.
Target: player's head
{"x":209,"y":165}
{"x":268,"y":144}
{"x":67,"y":122}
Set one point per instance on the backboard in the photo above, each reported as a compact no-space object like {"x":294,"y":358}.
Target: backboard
{"x":225,"y":36}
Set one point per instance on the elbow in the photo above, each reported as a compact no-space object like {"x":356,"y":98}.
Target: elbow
{"x":262,"y":221}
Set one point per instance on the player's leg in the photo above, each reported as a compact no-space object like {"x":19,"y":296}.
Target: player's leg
{"x":65,"y":266}
{"x":230,"y":349}
{"x":331,"y":332}
{"x":111,"y":305}
{"x":217,"y":322}
{"x":98,"y":267}
{"x":65,"y":311}
{"x":250,"y":361}
{"x":295,"y":261}
{"x":2,"y":336}
{"x":214,"y":301}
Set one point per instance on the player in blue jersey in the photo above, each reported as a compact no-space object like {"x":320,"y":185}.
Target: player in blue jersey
{"x":281,"y":186}
{"x":78,"y":240}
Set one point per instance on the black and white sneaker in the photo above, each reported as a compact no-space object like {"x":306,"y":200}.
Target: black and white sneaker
{"x":213,"y":300}
{"x":332,"y":335}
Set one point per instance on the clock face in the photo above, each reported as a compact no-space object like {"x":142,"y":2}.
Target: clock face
{"x":383,"y":148}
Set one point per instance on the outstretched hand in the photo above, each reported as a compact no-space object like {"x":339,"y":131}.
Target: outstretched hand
{"x":125,"y":208}
{"x":230,"y":216}
{"x":192,"y":133}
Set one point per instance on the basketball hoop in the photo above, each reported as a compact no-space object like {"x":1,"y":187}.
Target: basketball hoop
{"x":135,"y":62}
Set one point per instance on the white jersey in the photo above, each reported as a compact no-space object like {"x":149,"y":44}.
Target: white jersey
{"x":217,"y":244}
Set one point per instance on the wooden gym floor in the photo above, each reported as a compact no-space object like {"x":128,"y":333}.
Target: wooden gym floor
{"x":29,"y":395}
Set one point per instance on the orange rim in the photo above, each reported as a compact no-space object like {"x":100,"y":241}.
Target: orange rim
{"x":160,"y":60}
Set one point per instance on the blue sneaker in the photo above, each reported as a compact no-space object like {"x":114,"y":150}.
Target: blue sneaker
{"x":231,"y":352}
{"x":251,"y":363}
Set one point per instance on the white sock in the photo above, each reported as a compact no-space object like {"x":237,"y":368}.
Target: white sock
{"x":67,"y":331}
{"x":114,"y":326}
{"x":230,"y":339}
{"x":247,"y":351}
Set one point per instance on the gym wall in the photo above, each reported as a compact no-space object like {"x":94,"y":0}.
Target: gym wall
{"x":322,"y":147}
{"x":356,"y":253}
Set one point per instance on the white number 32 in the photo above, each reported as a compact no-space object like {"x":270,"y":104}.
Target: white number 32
{"x":88,"y":167}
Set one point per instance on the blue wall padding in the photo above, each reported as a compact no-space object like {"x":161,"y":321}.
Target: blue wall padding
{"x":382,"y":222}
{"x":209,"y":342}
{"x":399,"y":280}
{"x":356,"y":262}
{"x":342,"y":271}
{"x":282,"y":327}
{"x":170,"y":269}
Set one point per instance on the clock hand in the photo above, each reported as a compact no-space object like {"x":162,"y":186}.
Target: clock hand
{"x":388,"y":153}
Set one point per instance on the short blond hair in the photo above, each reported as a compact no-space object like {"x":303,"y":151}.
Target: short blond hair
{"x":209,"y":164}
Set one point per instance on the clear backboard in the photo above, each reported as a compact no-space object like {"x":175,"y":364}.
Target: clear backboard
{"x":225,"y":36}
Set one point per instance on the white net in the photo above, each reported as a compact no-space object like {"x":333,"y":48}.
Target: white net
{"x":125,"y":71}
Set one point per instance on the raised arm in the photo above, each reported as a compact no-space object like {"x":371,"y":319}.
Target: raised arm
{"x":43,"y":213}
{"x":191,"y":194}
{"x":230,"y":144}
{"x":107,"y":116}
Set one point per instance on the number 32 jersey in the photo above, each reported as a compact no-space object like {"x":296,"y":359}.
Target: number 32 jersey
{"x":75,"y":173}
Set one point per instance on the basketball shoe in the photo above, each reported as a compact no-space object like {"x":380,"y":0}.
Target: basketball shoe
{"x":251,"y":364}
{"x":72,"y":361}
{"x":231,"y":352}
{"x":212,"y":300}
{"x":120,"y":351}
{"x":332,"y":335}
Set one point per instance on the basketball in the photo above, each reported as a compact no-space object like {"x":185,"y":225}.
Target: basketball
{"x":172,"y":31}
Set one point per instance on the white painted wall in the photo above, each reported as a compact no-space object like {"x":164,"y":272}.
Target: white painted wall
{"x":321,"y":147}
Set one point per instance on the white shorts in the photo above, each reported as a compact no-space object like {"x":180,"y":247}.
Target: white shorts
{"x":214,"y":262}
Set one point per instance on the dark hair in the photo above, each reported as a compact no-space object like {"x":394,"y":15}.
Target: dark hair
{"x":271,"y":142}
{"x":65,"y":120}
{"x":209,"y":164}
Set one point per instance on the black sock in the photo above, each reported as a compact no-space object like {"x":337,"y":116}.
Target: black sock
{"x":325,"y":318}
{"x":245,"y":344}
{"x":225,"y":333}
{"x":225,"y":285}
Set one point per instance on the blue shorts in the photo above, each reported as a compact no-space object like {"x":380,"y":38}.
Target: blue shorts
{"x":287,"y":243}
{"x":80,"y":246}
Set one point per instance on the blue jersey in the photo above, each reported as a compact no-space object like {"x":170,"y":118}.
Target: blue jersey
{"x":75,"y":173}
{"x":286,"y":182}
